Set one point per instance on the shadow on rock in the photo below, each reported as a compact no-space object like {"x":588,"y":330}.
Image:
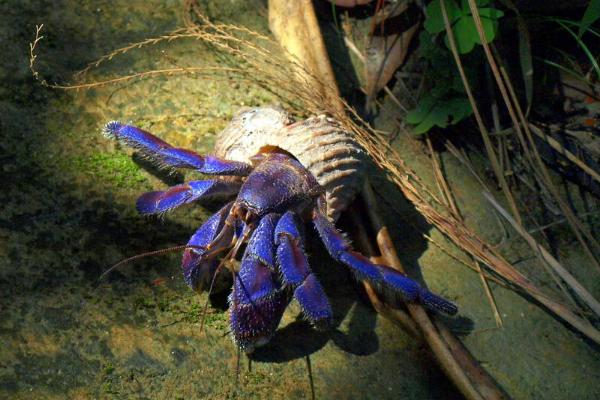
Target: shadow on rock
{"x":296,"y":340}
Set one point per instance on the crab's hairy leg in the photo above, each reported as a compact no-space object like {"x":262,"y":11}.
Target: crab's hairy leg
{"x":296,"y":273}
{"x":168,"y":156}
{"x":380,"y":275}
{"x":163,"y":201}
{"x":257,"y":301}
{"x":199,"y":263}
{"x":261,"y":245}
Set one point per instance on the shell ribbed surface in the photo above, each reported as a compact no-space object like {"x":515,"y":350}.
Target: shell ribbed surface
{"x":319,"y":143}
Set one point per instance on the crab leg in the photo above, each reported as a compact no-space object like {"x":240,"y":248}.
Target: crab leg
{"x":296,"y":273}
{"x":163,"y":201}
{"x":257,"y":301}
{"x":379,"y":275}
{"x":168,"y":156}
{"x":199,"y":263}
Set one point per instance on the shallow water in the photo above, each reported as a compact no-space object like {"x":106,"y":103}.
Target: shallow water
{"x":68,"y":213}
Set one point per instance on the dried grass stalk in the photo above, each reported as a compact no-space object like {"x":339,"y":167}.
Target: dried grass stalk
{"x":547,"y":257}
{"x":521,"y":126}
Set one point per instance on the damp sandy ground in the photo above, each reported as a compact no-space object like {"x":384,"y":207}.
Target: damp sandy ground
{"x":67,"y":213}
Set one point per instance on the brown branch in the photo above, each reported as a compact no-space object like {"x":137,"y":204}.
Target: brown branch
{"x":458,"y":364}
{"x":400,"y":317}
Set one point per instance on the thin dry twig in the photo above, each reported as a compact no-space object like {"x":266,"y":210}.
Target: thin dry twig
{"x":414,"y":190}
{"x":576,"y":225}
{"x":553,"y":262}
{"x":454,"y":151}
{"x":560,"y":149}
{"x":33,"y":56}
{"x":447,"y":193}
{"x":519,"y":121}
{"x":177,"y":34}
{"x":484,"y":132}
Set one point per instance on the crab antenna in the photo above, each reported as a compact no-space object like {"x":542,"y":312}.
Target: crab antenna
{"x":310,"y":377}
{"x":212,"y":282}
{"x":148,"y":254}
{"x":237,"y":368}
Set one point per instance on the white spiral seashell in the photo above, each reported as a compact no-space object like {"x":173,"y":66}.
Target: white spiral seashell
{"x":331,"y":154}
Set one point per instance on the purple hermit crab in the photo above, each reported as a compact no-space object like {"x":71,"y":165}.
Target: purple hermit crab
{"x":274,"y":196}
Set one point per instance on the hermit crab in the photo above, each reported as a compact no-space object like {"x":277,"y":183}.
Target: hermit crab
{"x":278,"y":185}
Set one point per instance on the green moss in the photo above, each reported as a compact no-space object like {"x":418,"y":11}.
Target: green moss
{"x":114,"y":168}
{"x":143,"y":302}
{"x":256,"y":377}
{"x":216,"y":320}
{"x":108,"y":368}
{"x":107,"y":388}
{"x":193,"y":312}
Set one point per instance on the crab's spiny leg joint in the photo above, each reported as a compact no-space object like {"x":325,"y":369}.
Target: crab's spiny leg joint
{"x":164,"y":201}
{"x":168,"y":156}
{"x":380,"y":275}
{"x":296,"y":273}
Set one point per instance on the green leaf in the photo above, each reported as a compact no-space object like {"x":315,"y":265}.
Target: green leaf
{"x":480,"y":3}
{"x":441,"y":89}
{"x":457,"y":83}
{"x":591,"y":15}
{"x":423,"y":127}
{"x":435,"y":20}
{"x":440,"y":112}
{"x":438,"y":61}
{"x":492,"y":13}
{"x":490,"y":28}
{"x":420,"y":113}
{"x":437,"y":117}
{"x":458,"y":108}
{"x":465,"y":35}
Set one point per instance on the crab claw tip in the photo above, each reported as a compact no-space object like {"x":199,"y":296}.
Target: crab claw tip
{"x":111,"y":128}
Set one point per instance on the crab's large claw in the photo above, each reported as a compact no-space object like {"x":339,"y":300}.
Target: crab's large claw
{"x":164,"y":201}
{"x":168,"y":156}
{"x":296,"y":273}
{"x":199,"y":263}
{"x":257,"y":301}
{"x":380,"y":275}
